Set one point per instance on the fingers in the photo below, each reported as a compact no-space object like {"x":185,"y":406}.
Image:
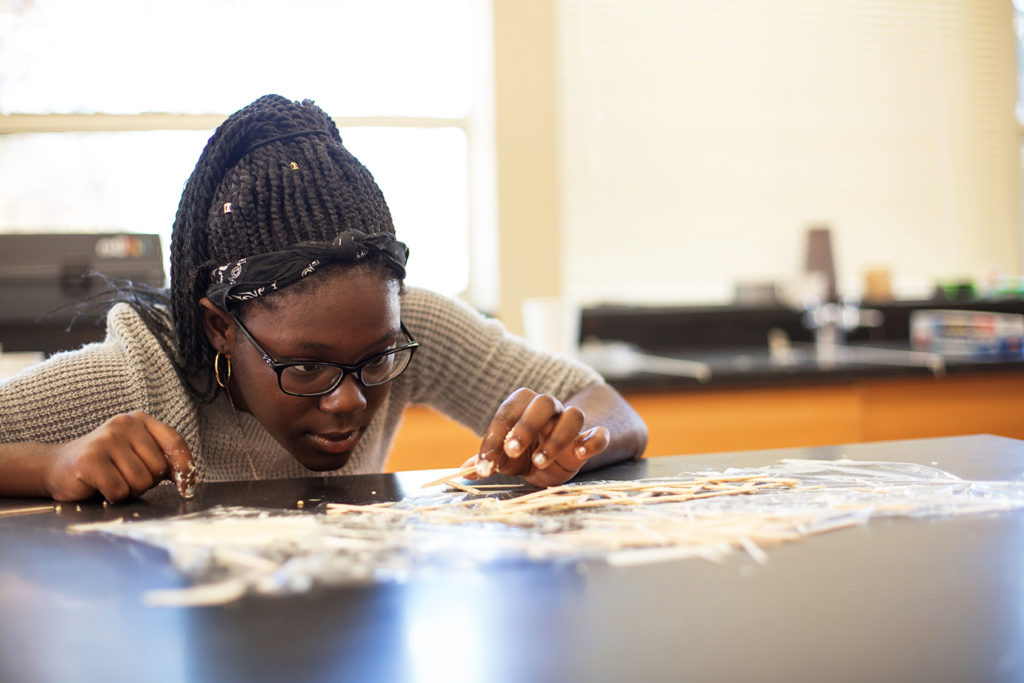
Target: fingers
{"x":519,"y":425}
{"x":119,"y":459}
{"x":560,"y":438}
{"x":477,"y":468}
{"x":535,"y":436}
{"x":177,"y":457}
{"x":122,"y":458}
{"x":496,"y":438}
{"x":567,"y":464}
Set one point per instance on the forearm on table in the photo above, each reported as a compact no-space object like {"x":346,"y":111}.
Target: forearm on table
{"x":603,"y":406}
{"x":22,"y":468}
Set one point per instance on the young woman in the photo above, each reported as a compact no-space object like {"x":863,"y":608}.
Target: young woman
{"x":288,"y":343}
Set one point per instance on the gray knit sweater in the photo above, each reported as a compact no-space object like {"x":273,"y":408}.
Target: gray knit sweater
{"x":465,"y":367}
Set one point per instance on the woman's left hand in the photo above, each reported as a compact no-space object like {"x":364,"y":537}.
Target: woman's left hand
{"x":535,"y":436}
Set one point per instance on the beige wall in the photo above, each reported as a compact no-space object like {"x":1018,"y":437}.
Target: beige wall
{"x":529,"y":244}
{"x":668,"y":159}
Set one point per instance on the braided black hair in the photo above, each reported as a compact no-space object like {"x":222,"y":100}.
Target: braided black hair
{"x":273,"y":174}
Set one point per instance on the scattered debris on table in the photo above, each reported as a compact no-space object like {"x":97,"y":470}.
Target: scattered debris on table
{"x":228,"y":552}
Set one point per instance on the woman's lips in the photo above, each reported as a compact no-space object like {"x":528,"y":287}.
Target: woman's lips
{"x":336,"y":442}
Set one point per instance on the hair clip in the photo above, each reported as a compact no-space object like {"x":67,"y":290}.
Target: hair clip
{"x":227,"y":207}
{"x":294,"y":166}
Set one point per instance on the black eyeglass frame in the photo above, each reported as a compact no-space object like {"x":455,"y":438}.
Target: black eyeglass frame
{"x":356,"y":370}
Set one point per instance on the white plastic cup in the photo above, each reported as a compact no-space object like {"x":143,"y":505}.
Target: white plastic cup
{"x":552,"y":324}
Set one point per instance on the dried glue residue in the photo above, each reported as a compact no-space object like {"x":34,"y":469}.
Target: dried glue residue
{"x":229,"y":552}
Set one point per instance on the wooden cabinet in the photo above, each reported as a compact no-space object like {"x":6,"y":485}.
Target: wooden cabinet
{"x":961,"y":404}
{"x":427,"y":440}
{"x":863,"y":410}
{"x":728,"y":419}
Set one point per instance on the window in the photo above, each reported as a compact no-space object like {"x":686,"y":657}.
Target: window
{"x":104,"y":119}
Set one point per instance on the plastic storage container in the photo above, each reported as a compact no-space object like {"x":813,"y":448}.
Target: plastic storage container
{"x":967,"y":333}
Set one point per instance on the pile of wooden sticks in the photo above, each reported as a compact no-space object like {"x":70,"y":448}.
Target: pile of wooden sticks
{"x":591,"y":518}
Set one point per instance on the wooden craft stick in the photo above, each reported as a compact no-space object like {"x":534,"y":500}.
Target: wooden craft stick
{"x":340,"y":508}
{"x":463,"y":487}
{"x":28,"y":510}
{"x":498,"y":486}
{"x":448,"y":478}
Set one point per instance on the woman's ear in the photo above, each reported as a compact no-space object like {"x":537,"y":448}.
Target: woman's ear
{"x":217,"y":325}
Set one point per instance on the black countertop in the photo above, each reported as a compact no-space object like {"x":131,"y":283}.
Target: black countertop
{"x":755,"y":367}
{"x":899,"y":599}
{"x":732,"y":341}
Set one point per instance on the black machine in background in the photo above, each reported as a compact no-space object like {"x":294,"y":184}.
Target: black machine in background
{"x":44,"y":276}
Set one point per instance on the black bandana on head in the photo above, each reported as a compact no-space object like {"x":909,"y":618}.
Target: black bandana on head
{"x":255,"y":276}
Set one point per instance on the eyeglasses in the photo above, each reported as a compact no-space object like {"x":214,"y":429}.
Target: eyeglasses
{"x":316,"y":378}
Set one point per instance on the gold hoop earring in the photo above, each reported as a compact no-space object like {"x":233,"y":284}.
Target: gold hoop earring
{"x":222,"y":383}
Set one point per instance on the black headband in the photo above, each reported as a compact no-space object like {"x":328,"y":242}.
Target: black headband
{"x":255,"y":276}
{"x":285,"y":136}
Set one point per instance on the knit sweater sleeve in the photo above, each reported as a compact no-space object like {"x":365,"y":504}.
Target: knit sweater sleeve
{"x":73,"y":392}
{"x":468,"y":364}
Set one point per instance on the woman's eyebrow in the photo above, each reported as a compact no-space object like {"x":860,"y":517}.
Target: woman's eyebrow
{"x":314,"y":347}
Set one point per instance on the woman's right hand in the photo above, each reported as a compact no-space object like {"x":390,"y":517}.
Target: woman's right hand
{"x":122,"y":458}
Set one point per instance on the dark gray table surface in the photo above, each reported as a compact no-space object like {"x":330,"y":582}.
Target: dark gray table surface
{"x":938,"y":599}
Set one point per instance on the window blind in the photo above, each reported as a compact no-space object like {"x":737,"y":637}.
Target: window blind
{"x":700,"y":139}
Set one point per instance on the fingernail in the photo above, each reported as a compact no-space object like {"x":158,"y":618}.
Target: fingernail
{"x":484,"y":467}
{"x":186,"y":486}
{"x":185,"y":480}
{"x":540,"y":458}
{"x":513,"y":447}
